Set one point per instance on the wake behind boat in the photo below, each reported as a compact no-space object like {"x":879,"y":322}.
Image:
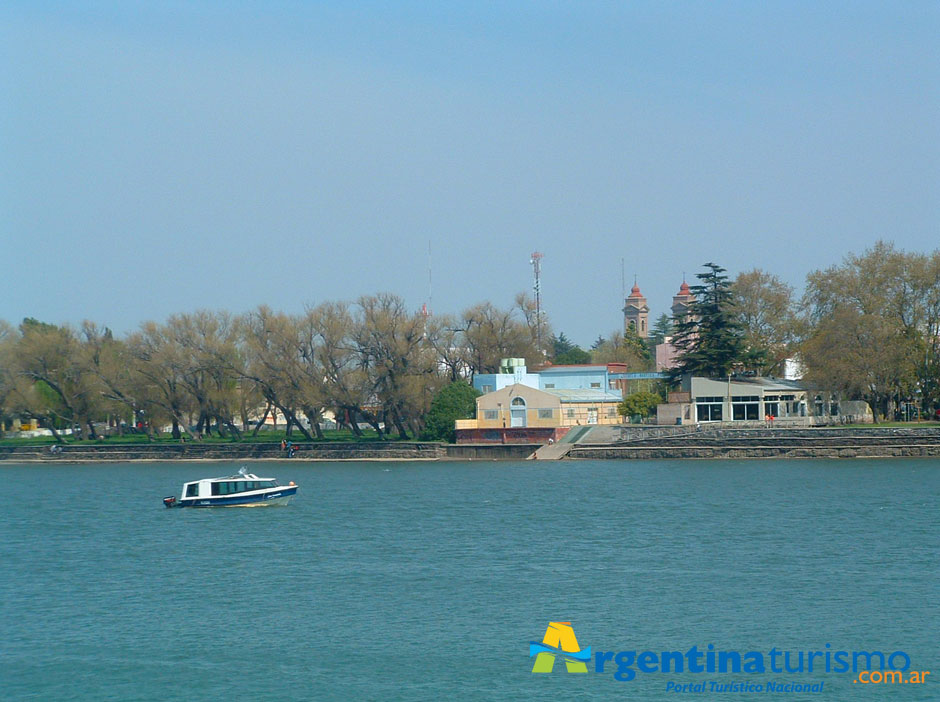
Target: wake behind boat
{"x":242,"y":490}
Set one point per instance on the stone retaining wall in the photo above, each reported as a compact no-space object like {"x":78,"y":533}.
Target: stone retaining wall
{"x":323,"y":451}
{"x":225,"y":452}
{"x":753,"y":451}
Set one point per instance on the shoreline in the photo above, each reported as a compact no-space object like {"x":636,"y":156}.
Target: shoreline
{"x":717,"y":443}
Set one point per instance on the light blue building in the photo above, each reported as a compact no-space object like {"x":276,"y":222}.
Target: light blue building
{"x":512,"y":372}
{"x":603,"y":379}
{"x":580,"y":377}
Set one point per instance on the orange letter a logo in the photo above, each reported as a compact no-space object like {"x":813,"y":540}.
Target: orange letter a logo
{"x":559,"y":639}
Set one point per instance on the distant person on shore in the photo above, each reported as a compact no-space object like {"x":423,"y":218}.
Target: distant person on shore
{"x":283,"y":445}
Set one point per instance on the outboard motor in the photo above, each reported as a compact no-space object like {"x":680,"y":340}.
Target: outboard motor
{"x":169,"y":501}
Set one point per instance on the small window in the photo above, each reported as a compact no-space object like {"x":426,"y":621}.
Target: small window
{"x":192,"y":490}
{"x":490,"y":414}
{"x":549,"y":386}
{"x":569,"y":414}
{"x":611,"y":411}
{"x":487,"y":388}
{"x":545,"y":414}
{"x":595,"y":385}
{"x":518,"y":402}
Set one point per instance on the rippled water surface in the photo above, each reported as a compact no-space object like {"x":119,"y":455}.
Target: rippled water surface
{"x":424,"y":581}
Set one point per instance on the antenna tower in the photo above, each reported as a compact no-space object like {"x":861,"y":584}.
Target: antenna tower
{"x":536,"y":262}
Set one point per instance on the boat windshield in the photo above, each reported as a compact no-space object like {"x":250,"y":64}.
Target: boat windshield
{"x":231,"y":487}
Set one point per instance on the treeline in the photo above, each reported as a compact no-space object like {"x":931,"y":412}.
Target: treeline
{"x":867,"y":329}
{"x":373,"y":362}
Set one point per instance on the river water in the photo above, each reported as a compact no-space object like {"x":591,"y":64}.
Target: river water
{"x":424,"y":581}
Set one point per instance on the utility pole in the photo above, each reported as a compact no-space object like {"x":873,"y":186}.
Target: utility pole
{"x":536,"y":262}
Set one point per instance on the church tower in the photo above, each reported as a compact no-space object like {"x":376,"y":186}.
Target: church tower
{"x":636,"y":312}
{"x":681,"y":303}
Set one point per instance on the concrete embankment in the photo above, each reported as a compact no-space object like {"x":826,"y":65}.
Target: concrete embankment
{"x":874,"y":442}
{"x":320,"y":451}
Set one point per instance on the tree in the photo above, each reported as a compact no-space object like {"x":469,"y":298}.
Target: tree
{"x":52,"y":361}
{"x":662,"y":328}
{"x":269,"y":358}
{"x":710,"y":340}
{"x":764,"y":307}
{"x":401,"y":366}
{"x":573,"y":356}
{"x":871,"y":327}
{"x":641,"y":404}
{"x":564,"y":352}
{"x":628,"y":348}
{"x":346,"y":382}
{"x":454,"y":401}
{"x":561,"y":344}
{"x":160,"y":365}
{"x":490,"y":334}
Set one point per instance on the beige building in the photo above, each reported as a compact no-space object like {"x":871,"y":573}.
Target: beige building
{"x":636,"y":313}
{"x":702,"y":400}
{"x":519,"y":406}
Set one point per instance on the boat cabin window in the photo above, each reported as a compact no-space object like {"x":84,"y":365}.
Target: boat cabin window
{"x":230,"y":487}
{"x":192,"y":490}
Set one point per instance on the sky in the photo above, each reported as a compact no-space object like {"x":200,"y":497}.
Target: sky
{"x":163,"y":157}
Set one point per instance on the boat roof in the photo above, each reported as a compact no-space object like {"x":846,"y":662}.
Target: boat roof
{"x":239,"y":476}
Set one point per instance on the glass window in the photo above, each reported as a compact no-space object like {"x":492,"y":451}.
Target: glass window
{"x":545,"y":414}
{"x":595,"y":385}
{"x":708,"y":413}
{"x":611,"y":411}
{"x":549,"y":386}
{"x":192,"y":490}
{"x":518,"y":402}
{"x":490,"y":414}
{"x":570,"y":413}
{"x":241,"y":486}
{"x":487,"y":388}
{"x":741,"y":411}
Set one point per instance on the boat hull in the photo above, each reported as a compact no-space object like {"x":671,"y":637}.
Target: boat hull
{"x":275,"y":497}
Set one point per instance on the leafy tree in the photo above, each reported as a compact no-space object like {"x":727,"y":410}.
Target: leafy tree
{"x":454,"y":401}
{"x":400,"y":364}
{"x":764,"y":307}
{"x":872,"y":326}
{"x":51,"y":364}
{"x":575,"y":356}
{"x":565,"y":353}
{"x":710,"y":341}
{"x":490,"y":334}
{"x":600,"y":341}
{"x":639,"y":403}
{"x":662,"y":328}
{"x":561,"y":344}
{"x":628,"y":348}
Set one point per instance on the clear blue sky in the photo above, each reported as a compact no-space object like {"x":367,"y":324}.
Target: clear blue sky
{"x":159,"y":157}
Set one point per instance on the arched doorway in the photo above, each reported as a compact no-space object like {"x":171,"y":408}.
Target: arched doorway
{"x":517,"y":412}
